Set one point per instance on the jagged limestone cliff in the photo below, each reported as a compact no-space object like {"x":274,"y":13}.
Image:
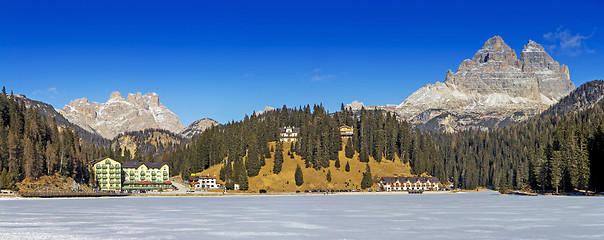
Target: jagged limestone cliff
{"x":492,"y":89}
{"x":117,"y":115}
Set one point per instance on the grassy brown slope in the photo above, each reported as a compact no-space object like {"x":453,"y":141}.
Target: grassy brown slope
{"x":316,"y":179}
{"x":54,"y":182}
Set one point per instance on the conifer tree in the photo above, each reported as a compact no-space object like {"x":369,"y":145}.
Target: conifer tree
{"x":253,"y":160}
{"x":337,"y":164}
{"x":299,"y":176}
{"x":349,"y":149}
{"x":555,"y":170}
{"x":596,"y":164}
{"x":278,"y":158}
{"x":367,"y":181}
{"x":29,"y":154}
{"x":347,"y":168}
{"x":328,"y":177}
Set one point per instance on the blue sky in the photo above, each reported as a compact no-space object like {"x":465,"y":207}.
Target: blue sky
{"x":225,"y":59}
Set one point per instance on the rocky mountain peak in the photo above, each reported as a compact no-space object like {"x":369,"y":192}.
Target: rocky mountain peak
{"x":118,"y":115}
{"x":534,"y":56}
{"x":495,"y":49}
{"x":198,"y":127}
{"x":492,"y":86}
{"x":266,"y":109}
{"x":355,"y":105}
{"x":116,"y":96}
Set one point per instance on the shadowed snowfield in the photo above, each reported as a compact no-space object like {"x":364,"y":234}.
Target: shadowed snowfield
{"x":484,"y":215}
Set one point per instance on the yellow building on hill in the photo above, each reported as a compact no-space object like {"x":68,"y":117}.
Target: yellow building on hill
{"x":346,"y":131}
{"x":107,"y":174}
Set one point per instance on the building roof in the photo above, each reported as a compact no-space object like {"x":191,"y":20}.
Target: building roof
{"x":137,"y":164}
{"x":132,"y":164}
{"x":94,"y":161}
{"x":294,"y":129}
{"x":410,"y":179}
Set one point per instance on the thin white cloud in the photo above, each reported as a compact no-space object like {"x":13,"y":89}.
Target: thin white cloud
{"x":46,"y":92}
{"x":316,"y":76}
{"x":564,"y":42}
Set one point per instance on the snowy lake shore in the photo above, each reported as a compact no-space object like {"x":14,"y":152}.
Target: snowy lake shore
{"x":468,"y":215}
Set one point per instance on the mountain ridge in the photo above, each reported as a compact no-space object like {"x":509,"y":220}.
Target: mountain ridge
{"x":198,"y":127}
{"x":492,"y":87}
{"x":118,"y":114}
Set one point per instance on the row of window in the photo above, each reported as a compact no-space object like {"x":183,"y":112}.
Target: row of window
{"x":136,"y":171}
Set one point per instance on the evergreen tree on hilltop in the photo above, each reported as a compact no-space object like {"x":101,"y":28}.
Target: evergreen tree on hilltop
{"x":349,"y":149}
{"x":240,"y":174}
{"x":253,"y":161}
{"x":347,"y":168}
{"x":328,"y":176}
{"x":596,"y":153}
{"x":337,"y":164}
{"x":367,"y":181}
{"x":278,"y":158}
{"x":298,"y":176}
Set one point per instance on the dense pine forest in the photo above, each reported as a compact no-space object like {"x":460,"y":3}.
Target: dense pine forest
{"x":560,"y":150}
{"x":242,"y":147}
{"x":552,"y":152}
{"x":32,"y":146}
{"x":144,"y":145}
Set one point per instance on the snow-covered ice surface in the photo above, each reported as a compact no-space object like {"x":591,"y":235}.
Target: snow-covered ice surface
{"x":484,"y":215}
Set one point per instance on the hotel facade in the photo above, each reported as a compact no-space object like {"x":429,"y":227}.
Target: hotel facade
{"x":115,"y":176}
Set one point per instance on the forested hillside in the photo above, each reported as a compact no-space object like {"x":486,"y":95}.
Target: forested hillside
{"x":585,"y":96}
{"x":32,"y":146}
{"x":560,"y":150}
{"x":49,"y":112}
{"x":552,"y":152}
{"x":242,"y":147}
{"x":146,"y":144}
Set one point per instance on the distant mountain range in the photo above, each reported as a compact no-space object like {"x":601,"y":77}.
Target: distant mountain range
{"x":493,"y":89}
{"x":118,"y":115}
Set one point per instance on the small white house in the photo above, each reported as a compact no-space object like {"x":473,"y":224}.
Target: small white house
{"x":409,"y":183}
{"x":207,"y":182}
{"x":288,"y":134}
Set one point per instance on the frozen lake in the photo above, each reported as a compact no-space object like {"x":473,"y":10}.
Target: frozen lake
{"x":484,"y":215}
